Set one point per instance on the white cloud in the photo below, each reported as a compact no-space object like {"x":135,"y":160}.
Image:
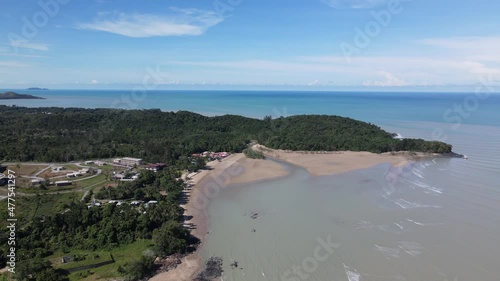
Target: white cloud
{"x":183,"y":22}
{"x":396,"y":71}
{"x":94,"y":82}
{"x":475,"y":48}
{"x":29,"y":45}
{"x":12,"y":64}
{"x":354,"y":4}
{"x":475,"y":43}
{"x":391,"y":80}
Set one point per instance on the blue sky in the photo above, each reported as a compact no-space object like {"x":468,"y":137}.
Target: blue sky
{"x":316,"y":44}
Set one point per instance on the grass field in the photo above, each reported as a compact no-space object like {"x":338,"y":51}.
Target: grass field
{"x":26,"y":170}
{"x":28,"y":207}
{"x":122,"y":255}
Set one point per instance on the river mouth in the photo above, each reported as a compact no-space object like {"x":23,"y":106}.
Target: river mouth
{"x":378,"y":229}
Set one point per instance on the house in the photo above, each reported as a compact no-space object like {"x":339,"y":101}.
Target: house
{"x":62,"y":183}
{"x":57,"y":169}
{"x":155,"y":167}
{"x":89,"y":162}
{"x":100,"y":163}
{"x":86,"y":171}
{"x":219,"y":155}
{"x":119,"y":176}
{"x":36,"y":181}
{"x":74,"y":175}
{"x":126,"y":180}
{"x":152,"y":202}
{"x":128,"y":161}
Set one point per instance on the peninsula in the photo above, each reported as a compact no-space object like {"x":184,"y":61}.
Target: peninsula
{"x":154,"y":199}
{"x":16,"y":96}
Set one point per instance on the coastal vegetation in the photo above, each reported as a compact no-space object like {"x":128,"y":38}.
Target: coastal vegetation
{"x":253,"y":154}
{"x":72,"y":228}
{"x":63,"y":135}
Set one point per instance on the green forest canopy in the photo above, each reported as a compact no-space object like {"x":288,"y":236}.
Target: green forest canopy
{"x":59,"y":134}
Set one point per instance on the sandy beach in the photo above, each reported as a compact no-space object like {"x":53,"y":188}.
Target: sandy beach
{"x":332,"y":163}
{"x":238,"y":169}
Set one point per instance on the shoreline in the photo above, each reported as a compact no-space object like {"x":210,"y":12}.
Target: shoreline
{"x":238,"y":169}
{"x":206,"y":184}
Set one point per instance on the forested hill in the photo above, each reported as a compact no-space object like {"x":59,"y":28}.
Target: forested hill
{"x":16,"y":96}
{"x":58,"y":134}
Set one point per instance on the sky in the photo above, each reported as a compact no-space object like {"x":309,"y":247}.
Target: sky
{"x":308,"y":44}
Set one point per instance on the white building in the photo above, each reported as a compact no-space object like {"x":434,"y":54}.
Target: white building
{"x":73,"y":175}
{"x":57,"y":169}
{"x":62,"y":183}
{"x":128,"y":161}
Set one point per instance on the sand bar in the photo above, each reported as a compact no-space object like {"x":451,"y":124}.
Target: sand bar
{"x":332,"y":163}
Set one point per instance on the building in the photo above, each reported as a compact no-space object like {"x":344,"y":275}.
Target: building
{"x":86,"y":171}
{"x":89,"y":162}
{"x":36,"y":181}
{"x":155,"y":167}
{"x":74,"y":175}
{"x":57,"y":169}
{"x":62,"y":183}
{"x":128,"y":161}
{"x":219,"y":155}
{"x":118,"y":176}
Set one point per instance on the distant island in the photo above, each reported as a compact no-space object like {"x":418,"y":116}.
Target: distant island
{"x":16,"y":96}
{"x":37,"y":89}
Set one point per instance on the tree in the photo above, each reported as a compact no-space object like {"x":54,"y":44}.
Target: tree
{"x":170,"y":238}
{"x":138,"y":269}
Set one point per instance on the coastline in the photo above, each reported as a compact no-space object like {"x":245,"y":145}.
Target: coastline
{"x":235,"y":169}
{"x":238,"y":169}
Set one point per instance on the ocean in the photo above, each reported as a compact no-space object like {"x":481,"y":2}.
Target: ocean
{"x":433,"y":220}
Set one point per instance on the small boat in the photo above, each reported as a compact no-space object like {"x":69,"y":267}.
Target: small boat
{"x":465,"y":157}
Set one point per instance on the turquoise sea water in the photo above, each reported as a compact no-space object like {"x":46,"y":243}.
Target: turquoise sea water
{"x":437,"y":219}
{"x":371,"y":107}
